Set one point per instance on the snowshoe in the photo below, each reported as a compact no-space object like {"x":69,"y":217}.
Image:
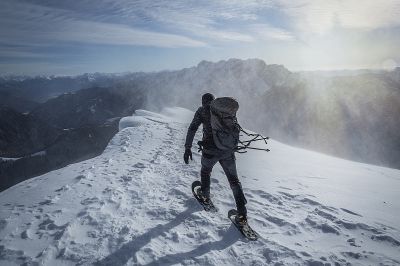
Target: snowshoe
{"x":207,"y":204}
{"x":241,"y":224}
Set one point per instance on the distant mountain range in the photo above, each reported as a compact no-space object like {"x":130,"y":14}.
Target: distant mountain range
{"x":42,"y":88}
{"x":353,"y":116}
{"x":350,"y":114}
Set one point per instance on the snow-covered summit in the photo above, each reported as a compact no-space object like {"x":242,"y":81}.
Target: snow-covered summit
{"x":133,"y":205}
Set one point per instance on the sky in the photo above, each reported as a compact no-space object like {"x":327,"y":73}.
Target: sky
{"x":72,"y":37}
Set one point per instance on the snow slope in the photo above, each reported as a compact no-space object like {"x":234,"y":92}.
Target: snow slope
{"x":133,"y":205}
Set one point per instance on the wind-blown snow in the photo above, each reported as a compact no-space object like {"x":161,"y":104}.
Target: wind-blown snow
{"x":133,"y":205}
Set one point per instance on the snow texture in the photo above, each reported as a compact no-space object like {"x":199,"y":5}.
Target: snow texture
{"x":133,"y":205}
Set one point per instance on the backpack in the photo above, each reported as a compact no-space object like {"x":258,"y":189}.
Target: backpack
{"x":225,"y":128}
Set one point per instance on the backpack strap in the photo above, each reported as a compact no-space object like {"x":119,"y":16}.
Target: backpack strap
{"x":246,"y":144}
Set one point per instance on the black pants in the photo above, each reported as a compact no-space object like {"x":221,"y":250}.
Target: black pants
{"x":228,"y":163}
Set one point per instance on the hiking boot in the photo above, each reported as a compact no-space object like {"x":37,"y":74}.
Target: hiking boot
{"x":241,"y":219}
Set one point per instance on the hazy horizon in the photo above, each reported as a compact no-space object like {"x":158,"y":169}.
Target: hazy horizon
{"x":332,"y":71}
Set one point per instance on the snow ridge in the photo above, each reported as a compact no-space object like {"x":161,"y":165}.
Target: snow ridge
{"x":133,"y":206}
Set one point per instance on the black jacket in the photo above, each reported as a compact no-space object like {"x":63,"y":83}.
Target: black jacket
{"x":202,"y":116}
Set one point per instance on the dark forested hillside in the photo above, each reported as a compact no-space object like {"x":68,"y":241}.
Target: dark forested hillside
{"x":66,"y":129}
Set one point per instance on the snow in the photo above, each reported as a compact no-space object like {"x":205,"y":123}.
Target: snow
{"x":39,"y":153}
{"x":9,"y":159}
{"x":132,"y":205}
{"x":92,"y":108}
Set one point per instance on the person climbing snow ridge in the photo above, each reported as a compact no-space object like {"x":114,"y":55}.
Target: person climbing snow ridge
{"x":219,"y":143}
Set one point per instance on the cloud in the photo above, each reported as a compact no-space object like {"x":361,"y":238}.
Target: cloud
{"x":267,"y":32}
{"x":149,"y":23}
{"x":21,"y":53}
{"x":27,"y":23}
{"x":188,"y":23}
{"x":299,"y":30}
{"x":200,"y":25}
{"x":208,"y":20}
{"x":317,"y":16}
{"x":115,"y":34}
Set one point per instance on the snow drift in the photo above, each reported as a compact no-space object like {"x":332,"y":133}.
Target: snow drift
{"x":133,"y":206}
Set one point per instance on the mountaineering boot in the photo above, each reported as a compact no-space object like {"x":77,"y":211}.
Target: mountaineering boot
{"x":241,"y":219}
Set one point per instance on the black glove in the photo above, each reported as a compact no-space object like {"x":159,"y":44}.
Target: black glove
{"x":188,"y":153}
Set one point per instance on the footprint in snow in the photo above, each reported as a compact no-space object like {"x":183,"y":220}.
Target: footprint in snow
{"x":107,"y":190}
{"x":80,"y":177}
{"x":27,"y":234}
{"x":49,"y":201}
{"x":214,"y":180}
{"x":352,"y":242}
{"x":89,"y":201}
{"x":92,"y":234}
{"x":126,"y":178}
{"x":46,"y":202}
{"x":63,"y":188}
{"x":139,"y":165}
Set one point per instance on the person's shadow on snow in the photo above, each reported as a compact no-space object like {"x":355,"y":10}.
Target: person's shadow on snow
{"x":129,"y":250}
{"x":228,"y":239}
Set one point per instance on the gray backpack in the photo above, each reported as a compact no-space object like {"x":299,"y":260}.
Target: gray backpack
{"x":225,"y":127}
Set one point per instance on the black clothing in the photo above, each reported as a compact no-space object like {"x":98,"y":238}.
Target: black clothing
{"x":228,"y":164}
{"x":207,"y":98}
{"x":202,"y":116}
{"x":187,"y":155}
{"x":211,"y":155}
